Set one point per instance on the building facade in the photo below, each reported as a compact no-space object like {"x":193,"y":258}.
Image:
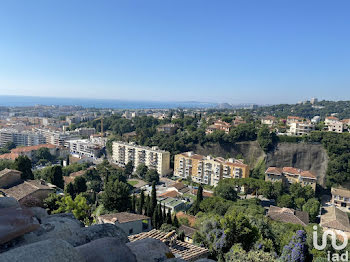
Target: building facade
{"x":341,"y":198}
{"x":300,"y":129}
{"x":153,"y":158}
{"x":24,"y":138}
{"x":208,"y":170}
{"x":83,"y":148}
{"x":290,"y":175}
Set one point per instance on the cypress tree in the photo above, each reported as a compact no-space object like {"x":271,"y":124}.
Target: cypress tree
{"x":148,"y":206}
{"x":142,"y":202}
{"x":164,"y":214}
{"x":175,"y":222}
{"x":133,"y":203}
{"x":168,"y":217}
{"x":153,"y":198}
{"x":160,"y":215}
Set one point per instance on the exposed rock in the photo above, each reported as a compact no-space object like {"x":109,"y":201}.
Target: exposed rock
{"x":57,"y":227}
{"x":149,"y":250}
{"x":15,"y":222}
{"x":6,"y":202}
{"x":175,"y":260}
{"x":106,"y":249}
{"x":205,"y":260}
{"x":39,"y":213}
{"x":66,"y":227}
{"x":104,"y":230}
{"x":53,"y":250}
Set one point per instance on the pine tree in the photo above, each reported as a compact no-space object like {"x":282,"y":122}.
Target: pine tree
{"x":141,"y":202}
{"x":153,"y":198}
{"x":176,"y":222}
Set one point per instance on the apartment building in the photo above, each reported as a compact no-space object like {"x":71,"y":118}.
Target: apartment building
{"x":218,"y":126}
{"x":21,"y":138}
{"x":294,"y":119}
{"x":336,"y":126}
{"x":341,"y":198}
{"x":330,"y":120}
{"x":152,"y":157}
{"x":290,"y":175}
{"x":208,"y":170}
{"x":86,"y":131}
{"x":83,"y":148}
{"x":300,"y":129}
{"x":58,"y":138}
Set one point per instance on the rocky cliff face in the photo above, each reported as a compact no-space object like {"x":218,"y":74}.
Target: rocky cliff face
{"x":31,"y":235}
{"x":304,"y":156}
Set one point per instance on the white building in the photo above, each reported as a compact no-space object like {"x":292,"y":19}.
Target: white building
{"x":58,"y":138}
{"x":83,"y":148}
{"x":299,"y":129}
{"x":152,"y":157}
{"x":336,"y":126}
{"x":315,"y":120}
{"x":24,"y":138}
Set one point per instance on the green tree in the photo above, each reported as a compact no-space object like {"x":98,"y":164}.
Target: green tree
{"x":80,"y":185}
{"x":266,"y":139}
{"x":141,"y":171}
{"x":69,"y":189}
{"x":116,"y":196}
{"x":141,"y":202}
{"x":153,"y":198}
{"x":299,"y":202}
{"x":285,"y":201}
{"x":175,"y":221}
{"x":51,"y":202}
{"x":312,"y":207}
{"x":78,"y":207}
{"x":43,"y":154}
{"x":152,"y":176}
{"x":226,"y":190}
{"x":55,"y":176}
{"x":148,"y":206}
{"x":23,"y":164}
{"x":129,"y":167}
{"x":133,"y":203}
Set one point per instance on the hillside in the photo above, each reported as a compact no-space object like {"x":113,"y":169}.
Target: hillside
{"x":300,"y":155}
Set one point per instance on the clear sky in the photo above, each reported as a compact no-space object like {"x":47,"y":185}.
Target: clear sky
{"x":262,"y":51}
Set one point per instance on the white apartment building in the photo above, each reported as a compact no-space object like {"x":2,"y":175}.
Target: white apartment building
{"x":299,"y":129}
{"x":83,"y":148}
{"x":58,"y":138}
{"x":152,"y":157}
{"x":336,"y":126}
{"x":21,"y":138}
{"x":86,"y":131}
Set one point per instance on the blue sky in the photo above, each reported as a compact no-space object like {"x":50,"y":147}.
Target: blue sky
{"x":262,"y":51}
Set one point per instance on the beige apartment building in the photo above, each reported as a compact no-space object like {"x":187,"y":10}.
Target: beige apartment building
{"x":341,"y":198}
{"x":208,"y":170}
{"x":290,"y":175}
{"x":152,"y":157}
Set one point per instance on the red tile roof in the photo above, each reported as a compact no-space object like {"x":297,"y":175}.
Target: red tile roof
{"x":291,"y":170}
{"x":171,"y":193}
{"x":274,"y":170}
{"x":308,"y":174}
{"x":31,"y":148}
{"x":123,"y":217}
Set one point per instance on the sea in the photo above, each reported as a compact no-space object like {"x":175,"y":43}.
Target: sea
{"x":20,"y":101}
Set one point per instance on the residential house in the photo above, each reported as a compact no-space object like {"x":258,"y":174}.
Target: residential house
{"x":219,"y":126}
{"x":9,"y":178}
{"x":189,"y":232}
{"x":172,"y":204}
{"x":290,"y":175}
{"x":300,"y":128}
{"x":334,"y":219}
{"x":130,"y":223}
{"x":336,"y":126}
{"x":330,"y":120}
{"x":238,"y":120}
{"x":294,"y":119}
{"x":179,"y":187}
{"x":341,"y":198}
{"x":288,"y":215}
{"x":269,"y":121}
{"x":169,"y":129}
{"x":183,"y":250}
{"x":37,"y":189}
